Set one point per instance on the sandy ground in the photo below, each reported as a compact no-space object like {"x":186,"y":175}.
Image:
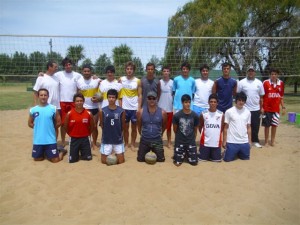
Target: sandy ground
{"x":263,"y":190}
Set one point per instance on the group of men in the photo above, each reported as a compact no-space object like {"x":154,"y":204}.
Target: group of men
{"x":77,"y":103}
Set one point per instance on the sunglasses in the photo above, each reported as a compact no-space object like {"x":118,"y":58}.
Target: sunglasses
{"x":151,"y":98}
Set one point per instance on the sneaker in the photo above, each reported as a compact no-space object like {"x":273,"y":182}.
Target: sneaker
{"x":257,"y":145}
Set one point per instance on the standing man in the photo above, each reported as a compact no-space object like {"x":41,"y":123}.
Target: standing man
{"x":254,"y":90}
{"x":131,"y":98}
{"x":44,"y":118}
{"x":183,"y":84}
{"x":79,"y":125}
{"x":150,"y":83}
{"x":166,"y":100}
{"x":151,"y":126}
{"x":112,"y":121}
{"x":88,"y":87}
{"x":237,"y":130}
{"x":203,"y":90}
{"x":225,"y":87}
{"x":68,"y":87}
{"x":273,"y":99}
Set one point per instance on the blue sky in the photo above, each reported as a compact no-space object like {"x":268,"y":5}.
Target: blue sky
{"x":87,"y":17}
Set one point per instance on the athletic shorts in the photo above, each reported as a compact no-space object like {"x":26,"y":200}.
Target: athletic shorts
{"x":183,"y":151}
{"x":210,"y":153}
{"x":65,"y":108}
{"x":93,"y":111}
{"x":241,"y":151}
{"x":130,"y":116}
{"x":169,"y":120}
{"x":270,"y":119}
{"x":146,"y":146}
{"x":80,"y":145}
{"x":198,"y":110}
{"x":39,"y":151}
{"x":107,"y":149}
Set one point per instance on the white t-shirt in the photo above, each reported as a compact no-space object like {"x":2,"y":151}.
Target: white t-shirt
{"x":203,"y":91}
{"x":88,"y":88}
{"x":129,"y":93}
{"x":68,"y":86}
{"x":50,"y":83}
{"x":105,"y":85}
{"x":253,"y":89}
{"x":166,"y":99}
{"x":237,"y":119}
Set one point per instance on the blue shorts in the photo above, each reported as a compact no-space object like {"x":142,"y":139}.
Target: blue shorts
{"x":198,"y":110}
{"x":130,"y":116}
{"x":210,"y":153}
{"x":39,"y":151}
{"x":241,"y":151}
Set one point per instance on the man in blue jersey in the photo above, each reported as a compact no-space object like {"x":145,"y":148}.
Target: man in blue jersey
{"x":151,"y":122}
{"x":44,"y":118}
{"x":225,"y":87}
{"x":112,"y":122}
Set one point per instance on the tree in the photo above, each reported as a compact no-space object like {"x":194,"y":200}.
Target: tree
{"x":101,"y":63}
{"x":139,"y":71}
{"x":37,"y":61}
{"x":87,"y":61}
{"x":20,"y":64}
{"x":155,"y":60}
{"x":5,"y":64}
{"x":121,"y":55}
{"x":54,"y":56}
{"x":75,"y":53}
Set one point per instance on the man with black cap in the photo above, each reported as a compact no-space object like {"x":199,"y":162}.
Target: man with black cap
{"x":254,"y":90}
{"x":151,"y":123}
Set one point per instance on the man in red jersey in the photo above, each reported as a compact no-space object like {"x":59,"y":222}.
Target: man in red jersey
{"x":79,"y":124}
{"x":273,"y":99}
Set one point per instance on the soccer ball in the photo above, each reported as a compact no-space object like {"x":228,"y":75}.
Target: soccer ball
{"x":150,"y":158}
{"x":98,"y":96}
{"x":111,"y":160}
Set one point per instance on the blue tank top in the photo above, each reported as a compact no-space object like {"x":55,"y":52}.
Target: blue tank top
{"x":224,"y":91}
{"x":112,"y":125}
{"x":152,"y":124}
{"x":148,"y":85}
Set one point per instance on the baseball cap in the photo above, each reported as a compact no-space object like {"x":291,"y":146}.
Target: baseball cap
{"x":250,"y":68}
{"x":152,"y":94}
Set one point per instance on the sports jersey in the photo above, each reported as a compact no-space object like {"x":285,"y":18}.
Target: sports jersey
{"x":88,"y":88}
{"x":44,"y":127}
{"x":147,"y":86}
{"x":237,"y":119}
{"x":211,"y":135}
{"x":50,"y":83}
{"x":105,"y":85}
{"x":181,"y":86}
{"x":166,"y":98}
{"x":129,"y":93}
{"x":79,"y":123}
{"x":202,"y":92}
{"x":68,"y":86}
{"x":253,"y":89}
{"x":225,"y":88}
{"x":273,"y":95}
{"x":112,"y":125}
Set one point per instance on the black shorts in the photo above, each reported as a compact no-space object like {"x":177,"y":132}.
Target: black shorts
{"x":146,"y":146}
{"x":93,"y":111}
{"x":82,"y":146}
{"x":181,"y":151}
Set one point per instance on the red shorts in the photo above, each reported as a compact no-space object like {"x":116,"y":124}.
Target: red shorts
{"x":65,"y":108}
{"x":169,"y":120}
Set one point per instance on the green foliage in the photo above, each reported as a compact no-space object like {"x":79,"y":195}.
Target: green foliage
{"x":75,"y":53}
{"x":121,"y":55}
{"x":139,"y":71}
{"x":101,"y":63}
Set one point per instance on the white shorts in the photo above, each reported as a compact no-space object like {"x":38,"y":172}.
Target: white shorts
{"x":107,"y":149}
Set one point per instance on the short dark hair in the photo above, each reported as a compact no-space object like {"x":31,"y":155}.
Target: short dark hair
{"x":78,"y":95}
{"x":185,"y":64}
{"x":110,"y":68}
{"x":42,"y":89}
{"x":204,"y":66}
{"x":50,"y":63}
{"x":241,"y":96}
{"x":165,"y":68}
{"x":88,"y":66}
{"x":66,"y":61}
{"x":225,"y":64}
{"x":185,"y":97}
{"x":112,"y":92}
{"x":213,"y":96}
{"x":274,"y":71}
{"x":150,"y":64}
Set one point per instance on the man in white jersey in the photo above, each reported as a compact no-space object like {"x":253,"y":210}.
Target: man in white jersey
{"x":109,"y":83}
{"x":211,"y":121}
{"x":68,"y":87}
{"x":131,"y":99}
{"x":166,"y":100}
{"x":254,"y":90}
{"x":203,"y":90}
{"x":88,"y":86}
